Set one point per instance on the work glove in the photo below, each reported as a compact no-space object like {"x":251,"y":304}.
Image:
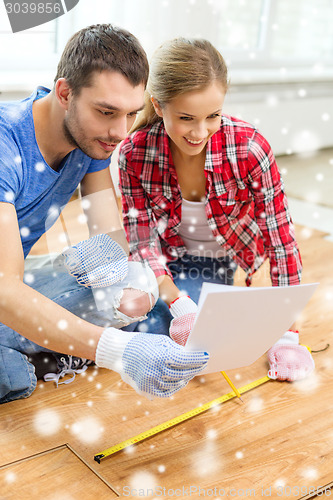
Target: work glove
{"x":152,"y":364}
{"x":288,"y":360}
{"x":183,"y":310}
{"x":96,"y":262}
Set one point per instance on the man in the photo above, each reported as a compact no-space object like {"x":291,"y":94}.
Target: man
{"x":49,"y":144}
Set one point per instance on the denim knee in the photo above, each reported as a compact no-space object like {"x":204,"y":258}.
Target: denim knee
{"x":17,"y":375}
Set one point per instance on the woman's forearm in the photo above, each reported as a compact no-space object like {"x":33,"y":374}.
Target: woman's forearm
{"x":168,"y":290}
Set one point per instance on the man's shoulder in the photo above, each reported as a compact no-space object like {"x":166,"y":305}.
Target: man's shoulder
{"x":13,"y":112}
{"x":9,"y":142}
{"x":14,"y":118}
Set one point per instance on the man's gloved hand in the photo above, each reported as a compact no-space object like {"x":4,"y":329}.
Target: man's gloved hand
{"x":184,"y":311}
{"x":152,"y":364}
{"x":288,"y":360}
{"x":96,"y":262}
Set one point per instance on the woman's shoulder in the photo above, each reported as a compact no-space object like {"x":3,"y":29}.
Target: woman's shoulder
{"x":151,"y":134}
{"x":242,"y":135}
{"x":230,"y":125}
{"x":146,"y":142}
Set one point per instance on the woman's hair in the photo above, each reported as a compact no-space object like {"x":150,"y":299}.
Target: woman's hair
{"x":102,"y":47}
{"x":179,"y":66}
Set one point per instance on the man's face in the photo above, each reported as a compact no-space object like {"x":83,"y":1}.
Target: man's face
{"x":99,"y":118}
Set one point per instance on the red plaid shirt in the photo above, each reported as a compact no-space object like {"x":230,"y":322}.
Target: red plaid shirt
{"x":245,"y":203}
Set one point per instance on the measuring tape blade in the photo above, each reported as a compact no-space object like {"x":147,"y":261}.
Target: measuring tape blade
{"x":177,"y":420}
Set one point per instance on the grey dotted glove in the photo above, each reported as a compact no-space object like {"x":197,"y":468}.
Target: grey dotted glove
{"x":152,"y":364}
{"x":96,"y":262}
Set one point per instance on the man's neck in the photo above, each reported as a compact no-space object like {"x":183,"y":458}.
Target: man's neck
{"x":48,"y":122}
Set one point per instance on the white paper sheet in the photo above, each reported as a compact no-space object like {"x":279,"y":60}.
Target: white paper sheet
{"x":237,"y":325}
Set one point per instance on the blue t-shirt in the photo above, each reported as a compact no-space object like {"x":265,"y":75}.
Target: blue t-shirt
{"x":36,"y":190}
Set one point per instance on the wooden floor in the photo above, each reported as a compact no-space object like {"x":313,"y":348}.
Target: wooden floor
{"x":279,"y":443}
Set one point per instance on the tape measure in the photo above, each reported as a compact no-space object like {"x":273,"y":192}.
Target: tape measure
{"x":308,"y":348}
{"x":177,"y":420}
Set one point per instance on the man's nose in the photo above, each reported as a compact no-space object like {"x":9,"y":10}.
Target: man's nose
{"x":119,"y":129}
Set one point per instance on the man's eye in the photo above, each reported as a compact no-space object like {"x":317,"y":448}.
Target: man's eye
{"x":132,"y":115}
{"x":106,"y":113}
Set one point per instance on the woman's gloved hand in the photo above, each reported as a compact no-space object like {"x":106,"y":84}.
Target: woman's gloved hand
{"x":184,"y":311}
{"x":288,"y":360}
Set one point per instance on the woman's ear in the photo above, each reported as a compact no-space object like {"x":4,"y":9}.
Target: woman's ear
{"x":62,"y":92}
{"x":157,"y":107}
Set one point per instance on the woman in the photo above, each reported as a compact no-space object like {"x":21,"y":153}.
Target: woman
{"x":202,"y":193}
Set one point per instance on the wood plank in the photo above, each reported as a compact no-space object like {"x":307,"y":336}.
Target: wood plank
{"x":54,"y":474}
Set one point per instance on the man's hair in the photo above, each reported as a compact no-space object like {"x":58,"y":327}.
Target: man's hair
{"x":102,"y":47}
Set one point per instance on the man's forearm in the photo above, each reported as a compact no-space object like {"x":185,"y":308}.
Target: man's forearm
{"x":119,"y":237}
{"x":44,"y":322}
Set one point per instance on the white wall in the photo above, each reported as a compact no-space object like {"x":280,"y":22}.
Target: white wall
{"x":294,"y":118}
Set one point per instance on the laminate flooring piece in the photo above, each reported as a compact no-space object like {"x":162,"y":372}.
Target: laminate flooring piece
{"x":52,"y":475}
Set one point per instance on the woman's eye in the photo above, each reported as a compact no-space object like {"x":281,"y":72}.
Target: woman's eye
{"x":186,"y":118}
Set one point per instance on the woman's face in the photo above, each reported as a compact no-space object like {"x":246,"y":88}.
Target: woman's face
{"x":191,"y":119}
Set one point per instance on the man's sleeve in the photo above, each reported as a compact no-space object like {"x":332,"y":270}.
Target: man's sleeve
{"x":10,"y":168}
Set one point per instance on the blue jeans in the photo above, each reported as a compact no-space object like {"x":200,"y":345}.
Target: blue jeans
{"x":189,"y":273}
{"x":17,"y":375}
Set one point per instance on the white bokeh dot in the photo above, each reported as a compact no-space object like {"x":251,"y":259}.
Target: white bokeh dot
{"x":82,"y":219}
{"x":62,"y":324}
{"x":46,"y":422}
{"x":99,"y":295}
{"x":28,"y":278}
{"x":211,"y":434}
{"x":39,"y":166}
{"x":25,"y":231}
{"x":86,"y":204}
{"x":87,"y":429}
{"x":10,"y":477}
{"x":143,"y":480}
{"x":9,"y":196}
{"x":133,"y":212}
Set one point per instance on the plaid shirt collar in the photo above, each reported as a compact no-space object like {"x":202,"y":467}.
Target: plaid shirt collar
{"x":158,"y":137}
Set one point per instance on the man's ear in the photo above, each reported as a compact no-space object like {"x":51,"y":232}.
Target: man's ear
{"x":157,"y":107}
{"x":62,"y":92}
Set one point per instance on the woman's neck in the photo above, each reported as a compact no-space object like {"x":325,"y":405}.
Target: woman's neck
{"x":190,"y":174}
{"x":184,"y":159}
